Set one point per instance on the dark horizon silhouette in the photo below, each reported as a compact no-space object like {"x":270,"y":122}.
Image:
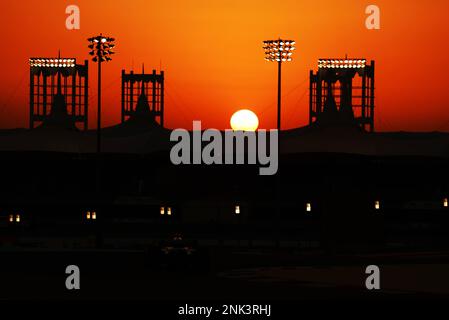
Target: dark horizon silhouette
{"x":344,"y":197}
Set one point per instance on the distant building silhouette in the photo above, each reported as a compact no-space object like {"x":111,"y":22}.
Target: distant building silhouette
{"x":58,"y":92}
{"x":143,"y":96}
{"x":58,"y":118}
{"x":342,"y":90}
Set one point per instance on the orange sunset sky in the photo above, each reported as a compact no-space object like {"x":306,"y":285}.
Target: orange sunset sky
{"x":211,"y":52}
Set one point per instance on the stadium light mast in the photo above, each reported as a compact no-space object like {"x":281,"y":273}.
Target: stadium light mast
{"x":279,"y":51}
{"x":101,"y":49}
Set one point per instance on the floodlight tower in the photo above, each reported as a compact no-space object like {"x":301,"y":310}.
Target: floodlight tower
{"x":279,"y":51}
{"x":43,"y":89}
{"x":101,"y":50}
{"x":350,"y":82}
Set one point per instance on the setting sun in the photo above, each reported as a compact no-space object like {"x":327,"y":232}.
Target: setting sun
{"x":244,"y":120}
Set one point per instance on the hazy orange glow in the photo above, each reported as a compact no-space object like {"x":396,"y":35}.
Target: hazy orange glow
{"x":211,"y":53}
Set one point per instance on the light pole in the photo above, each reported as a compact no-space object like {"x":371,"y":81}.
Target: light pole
{"x":279,"y":51}
{"x":101,"y":50}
